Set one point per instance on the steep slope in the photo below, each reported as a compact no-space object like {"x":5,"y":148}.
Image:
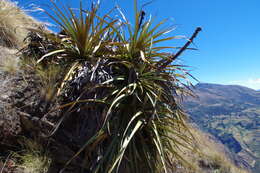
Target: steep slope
{"x":232,"y":114}
{"x":13,"y":24}
{"x":212,"y":156}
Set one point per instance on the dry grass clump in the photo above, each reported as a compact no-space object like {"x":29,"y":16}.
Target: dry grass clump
{"x":34,"y":158}
{"x":8,"y":60}
{"x":13,"y":23}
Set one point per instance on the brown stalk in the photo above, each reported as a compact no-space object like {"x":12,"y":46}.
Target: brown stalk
{"x":173,"y":57}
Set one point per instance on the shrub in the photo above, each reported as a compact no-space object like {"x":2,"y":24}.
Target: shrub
{"x":118,"y":92}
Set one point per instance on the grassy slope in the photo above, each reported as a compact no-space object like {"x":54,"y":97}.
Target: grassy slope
{"x":212,"y":157}
{"x":13,"y":24}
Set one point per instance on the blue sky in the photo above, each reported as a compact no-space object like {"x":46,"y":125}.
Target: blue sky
{"x":229,"y":49}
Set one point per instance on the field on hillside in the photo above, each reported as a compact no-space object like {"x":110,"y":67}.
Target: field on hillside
{"x":232,"y":114}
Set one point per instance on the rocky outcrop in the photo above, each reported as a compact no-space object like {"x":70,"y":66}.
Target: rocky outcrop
{"x":9,"y":120}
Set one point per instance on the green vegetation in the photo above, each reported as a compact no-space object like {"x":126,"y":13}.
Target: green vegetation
{"x":33,"y":158}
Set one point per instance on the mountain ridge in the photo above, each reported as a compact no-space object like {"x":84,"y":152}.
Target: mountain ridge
{"x":218,"y":84}
{"x":232,"y":114}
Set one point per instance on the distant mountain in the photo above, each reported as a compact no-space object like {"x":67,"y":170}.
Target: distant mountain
{"x":232,"y":114}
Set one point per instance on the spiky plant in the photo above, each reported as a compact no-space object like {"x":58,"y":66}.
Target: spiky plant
{"x":120,"y":93}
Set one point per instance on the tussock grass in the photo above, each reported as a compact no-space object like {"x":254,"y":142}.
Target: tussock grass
{"x":49,"y":77}
{"x":34,"y":158}
{"x":8,"y":60}
{"x":13,"y":23}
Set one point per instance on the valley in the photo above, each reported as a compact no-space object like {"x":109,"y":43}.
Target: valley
{"x":232,"y":114}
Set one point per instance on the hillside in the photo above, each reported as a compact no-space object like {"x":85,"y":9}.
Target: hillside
{"x":211,"y":156}
{"x":232,"y":114}
{"x":13,"y":24}
{"x":26,"y":146}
